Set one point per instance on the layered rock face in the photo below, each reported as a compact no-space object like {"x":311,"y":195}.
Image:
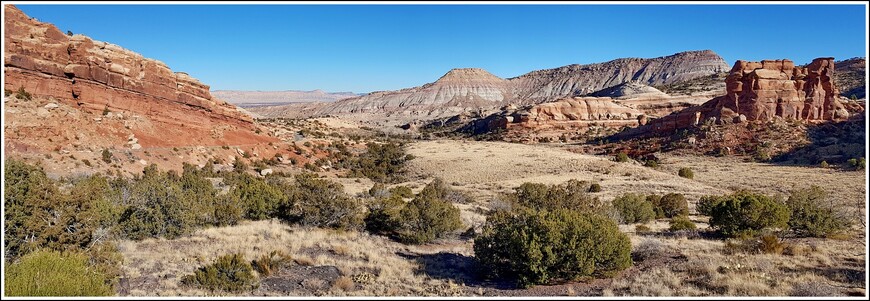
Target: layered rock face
{"x":851,"y":77}
{"x":97,"y":76}
{"x":550,"y":84}
{"x":456,"y":90}
{"x":570,"y":114}
{"x":471,"y":88}
{"x":763,"y":91}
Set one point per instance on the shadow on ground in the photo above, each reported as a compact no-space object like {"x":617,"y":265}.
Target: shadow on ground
{"x":456,"y":267}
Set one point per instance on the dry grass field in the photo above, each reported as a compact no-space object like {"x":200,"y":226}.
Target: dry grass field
{"x":666,"y":264}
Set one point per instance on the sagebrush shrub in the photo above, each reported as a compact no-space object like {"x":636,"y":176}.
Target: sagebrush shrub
{"x":535,"y":247}
{"x":323,"y":203}
{"x":230,"y":273}
{"x":621,"y":157}
{"x":383,"y":215}
{"x":813,"y":213}
{"x":267,"y":263}
{"x":686,"y":172}
{"x":402,"y":191}
{"x":426,"y":218}
{"x":680,"y":223}
{"x":51,"y":273}
{"x":571,"y":194}
{"x":633,"y":208}
{"x":671,"y":205}
{"x":746,"y":213}
{"x":706,"y":203}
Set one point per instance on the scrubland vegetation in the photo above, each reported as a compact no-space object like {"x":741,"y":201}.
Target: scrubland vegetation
{"x":537,"y":234}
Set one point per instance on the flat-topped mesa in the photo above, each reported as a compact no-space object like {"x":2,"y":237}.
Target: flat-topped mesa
{"x":95,"y":75}
{"x":763,"y":91}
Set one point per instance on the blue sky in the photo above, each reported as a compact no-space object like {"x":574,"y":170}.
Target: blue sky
{"x":363,"y":48}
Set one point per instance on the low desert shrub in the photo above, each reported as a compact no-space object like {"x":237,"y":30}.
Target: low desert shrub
{"x":383,"y":215}
{"x":51,"y":273}
{"x":642,"y":229}
{"x":680,"y":223}
{"x":686,"y":172}
{"x":814,"y":214}
{"x":323,"y":203}
{"x":621,"y":157}
{"x":706,"y":203}
{"x":595,"y":188}
{"x":426,"y":218}
{"x":857,"y":164}
{"x":746,"y":213}
{"x":23,"y":94}
{"x":535,"y":247}
{"x":383,"y":163}
{"x":267,"y":263}
{"x":633,"y":208}
{"x":670,"y":205}
{"x":230,"y":273}
{"x":402,"y":191}
{"x":571,"y":194}
{"x":107,"y":156}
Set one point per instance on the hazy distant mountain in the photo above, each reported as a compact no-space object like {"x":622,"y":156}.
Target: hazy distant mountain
{"x":261,"y":98}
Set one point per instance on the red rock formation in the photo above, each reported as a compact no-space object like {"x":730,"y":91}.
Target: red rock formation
{"x":763,"y":91}
{"x":96,"y":75}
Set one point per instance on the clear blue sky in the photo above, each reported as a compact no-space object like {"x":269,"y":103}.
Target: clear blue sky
{"x":364,"y":48}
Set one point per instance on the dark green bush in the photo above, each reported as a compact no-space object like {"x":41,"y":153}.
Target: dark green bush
{"x":107,"y":156}
{"x":230,"y":273}
{"x":746,"y":213}
{"x":621,"y":157}
{"x":228,"y":210}
{"x":381,"y":162}
{"x":402,"y":191}
{"x":595,"y":188}
{"x":706,"y":203}
{"x":686,"y":172}
{"x":50,"y":273}
{"x":571,"y":194}
{"x":633,"y":208}
{"x":858,"y":164}
{"x":814,"y":214}
{"x":259,"y":199}
{"x":671,"y":205}
{"x":383,"y":215}
{"x":323,"y":203}
{"x":427,"y":217}
{"x":651,"y":163}
{"x":157,"y":206}
{"x":535,"y":247}
{"x":681,"y":223}
{"x":37,"y":215}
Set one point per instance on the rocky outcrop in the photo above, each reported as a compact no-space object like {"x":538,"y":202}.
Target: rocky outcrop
{"x":462,"y":90}
{"x":564,"y":114}
{"x":550,"y":84}
{"x":630,"y":90}
{"x":97,"y":76}
{"x":762,"y":91}
{"x":851,"y":77}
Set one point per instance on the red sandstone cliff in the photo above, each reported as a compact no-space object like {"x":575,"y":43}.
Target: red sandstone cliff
{"x":94,"y":75}
{"x":762,"y":91}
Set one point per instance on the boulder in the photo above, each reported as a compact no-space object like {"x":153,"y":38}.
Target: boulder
{"x":265,"y":172}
